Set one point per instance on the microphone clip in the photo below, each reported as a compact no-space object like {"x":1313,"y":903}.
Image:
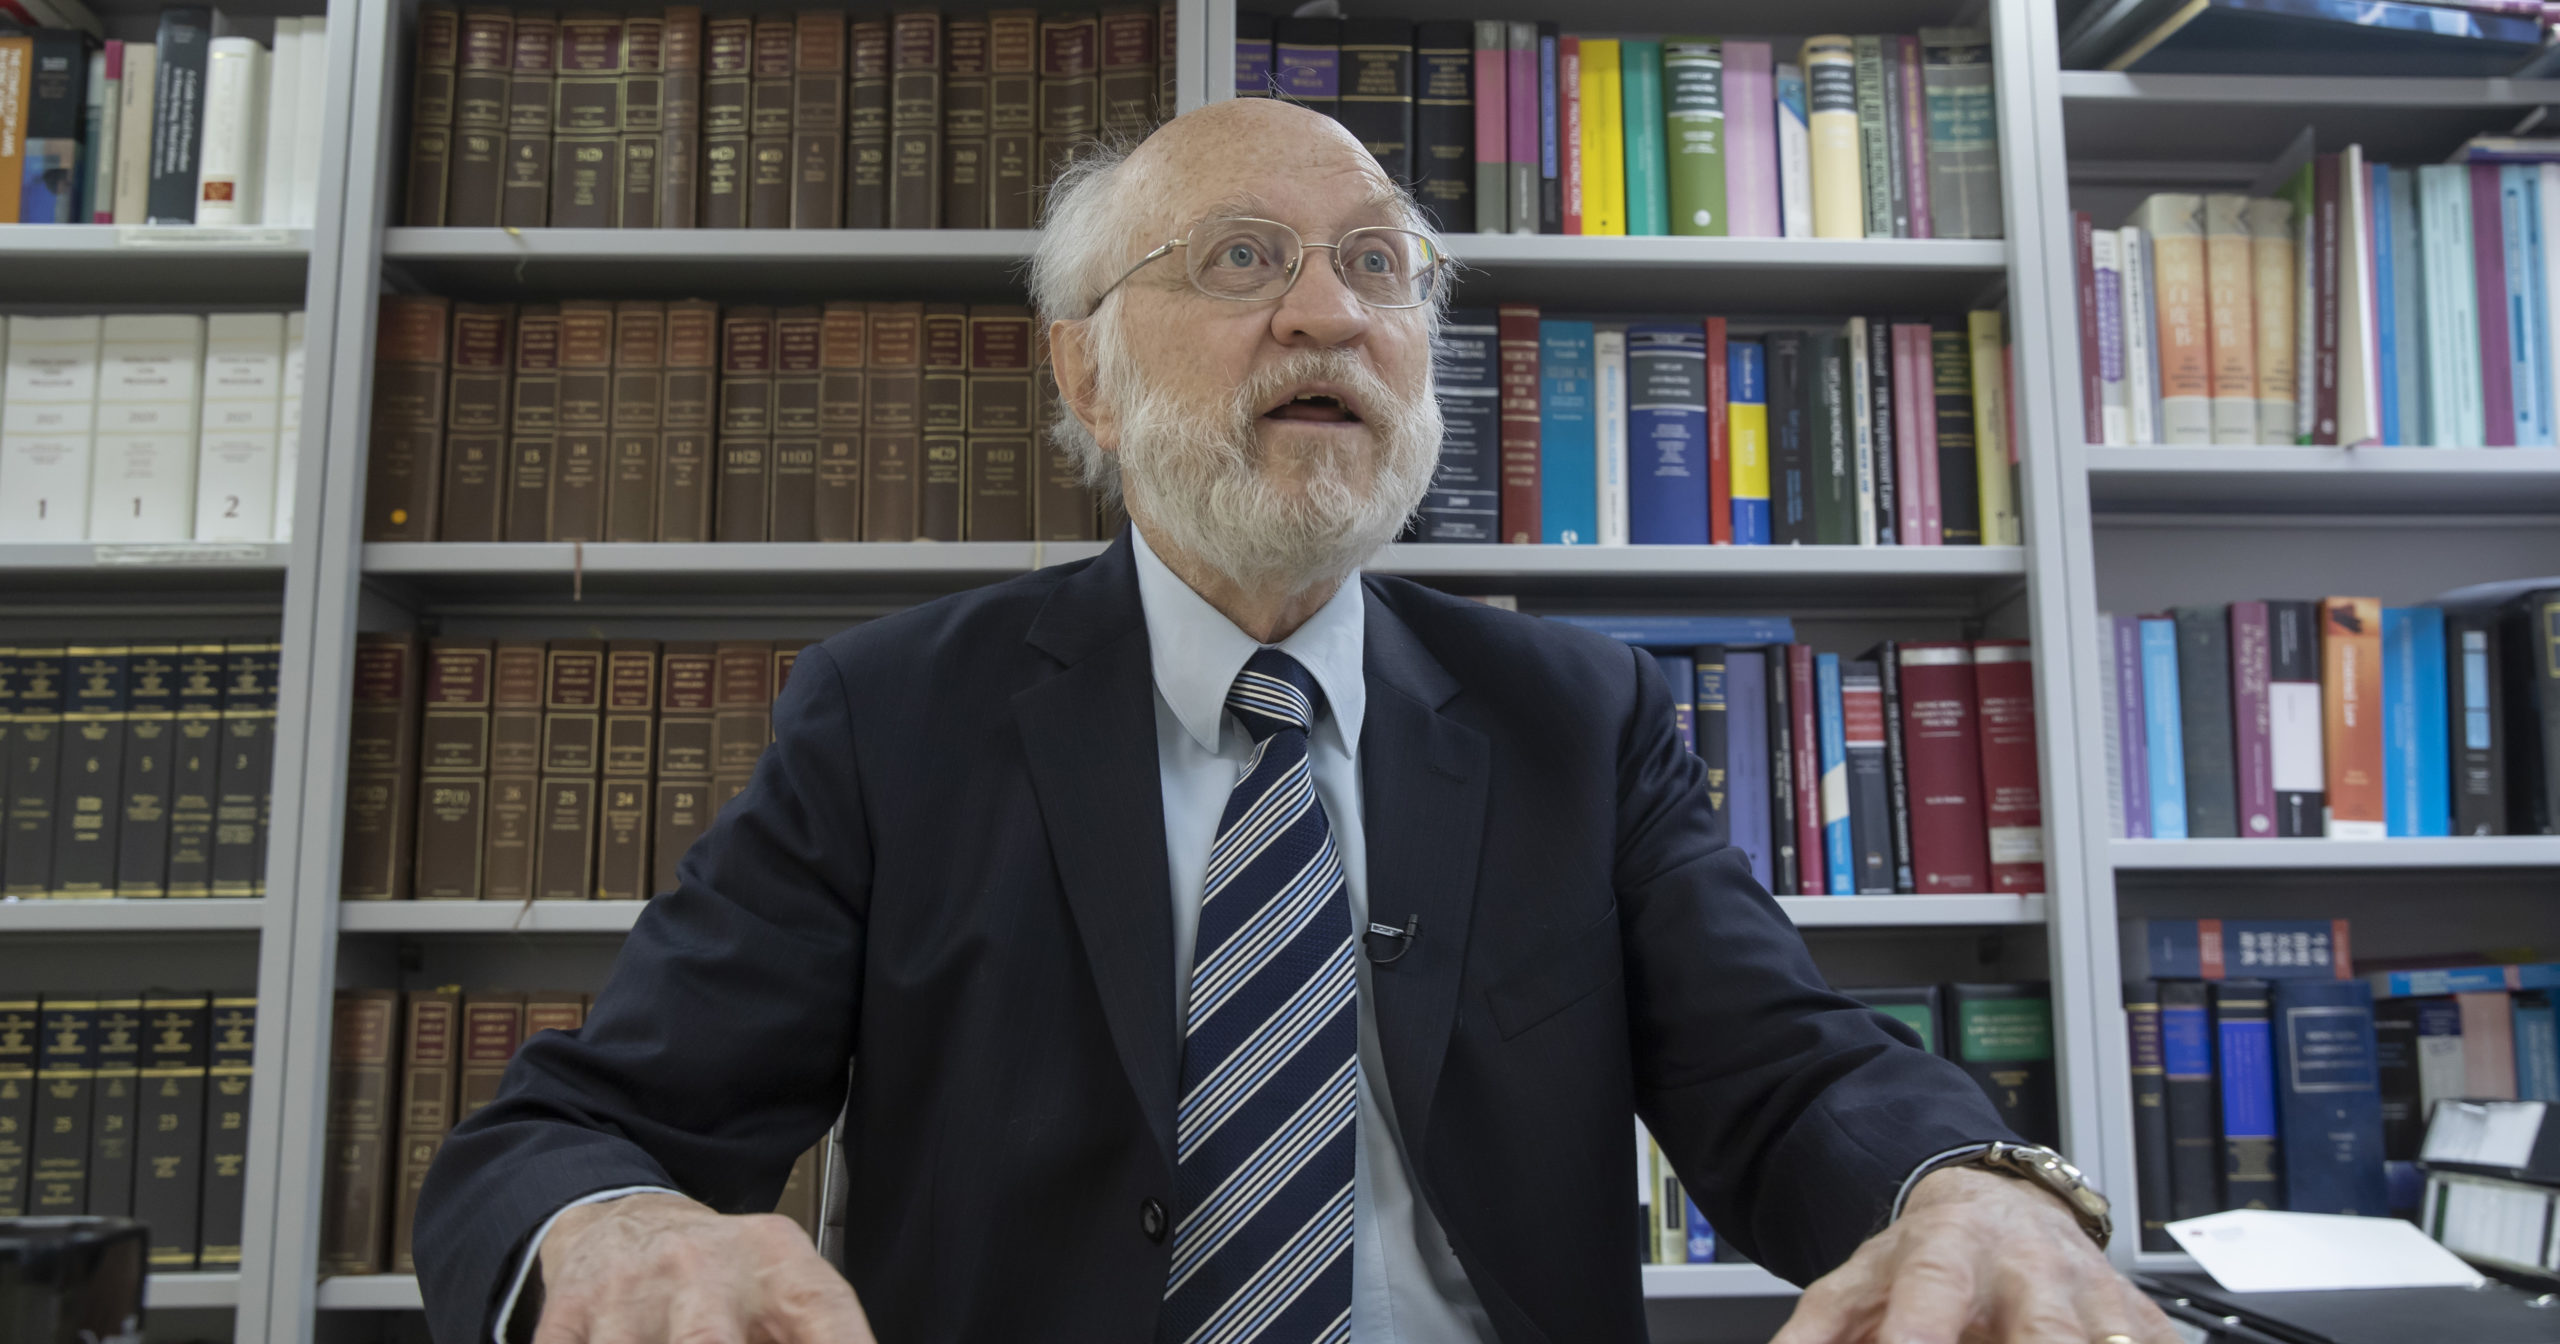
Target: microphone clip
{"x":1386,"y":944}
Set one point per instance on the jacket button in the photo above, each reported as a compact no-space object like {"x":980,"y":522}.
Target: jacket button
{"x":1151,"y":1219}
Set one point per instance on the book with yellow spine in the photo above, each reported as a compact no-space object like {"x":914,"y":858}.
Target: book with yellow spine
{"x":1991,"y":459}
{"x":1831,"y":99}
{"x":1604,"y":149}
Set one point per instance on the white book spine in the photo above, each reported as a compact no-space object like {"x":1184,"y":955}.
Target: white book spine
{"x":2111,"y":732}
{"x":133,"y":133}
{"x":2141,"y":393}
{"x":1795,"y":163}
{"x":106,"y":75}
{"x":47,"y":426}
{"x":2359,"y":351}
{"x":283,"y":114}
{"x":2106,"y":261}
{"x":142,"y":472}
{"x":235,"y":106}
{"x":1862,"y":420}
{"x":313,"y":73}
{"x":2547,"y":194}
{"x":1609,"y":370}
{"x":2306,"y":324}
{"x":289,"y":427}
{"x":236,"y":456}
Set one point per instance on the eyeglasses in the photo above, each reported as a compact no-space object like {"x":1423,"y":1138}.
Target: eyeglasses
{"x":1245,"y":260}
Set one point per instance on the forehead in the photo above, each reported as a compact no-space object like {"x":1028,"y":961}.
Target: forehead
{"x":1318,"y":184}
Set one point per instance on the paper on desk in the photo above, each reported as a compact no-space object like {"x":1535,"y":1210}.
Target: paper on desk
{"x":2263,"y":1251}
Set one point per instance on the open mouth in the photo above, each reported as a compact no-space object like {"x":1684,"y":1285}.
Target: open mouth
{"x":1315,"y":406}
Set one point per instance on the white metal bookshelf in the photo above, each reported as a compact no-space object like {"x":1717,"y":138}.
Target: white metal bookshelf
{"x":2407,"y":853}
{"x":2300,"y":480}
{"x":133,"y":916}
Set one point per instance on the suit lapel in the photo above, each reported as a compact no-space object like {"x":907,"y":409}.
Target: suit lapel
{"x":1089,"y":737}
{"x":1422,"y":786}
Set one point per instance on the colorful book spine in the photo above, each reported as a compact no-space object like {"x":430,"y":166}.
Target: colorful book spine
{"x":2163,"y":743}
{"x":1493,"y":111}
{"x":2386,"y":324}
{"x":2195,"y":1138}
{"x":2351,"y":719}
{"x":1550,"y":123}
{"x":1667,"y":435}
{"x":1641,"y":127}
{"x":1804,"y":745}
{"x":2174,"y":225}
{"x":2244,"y":1061}
{"x":1942,"y":751}
{"x":1568,"y":443}
{"x":2476,"y":726}
{"x":1569,"y":129}
{"x":1719,"y":435}
{"x":1694,"y":77}
{"x":2417,"y":783}
{"x":1831,"y":92}
{"x":1839,"y":859}
{"x":1795,"y":155}
{"x":1747,"y":429}
{"x":1520,"y":125}
{"x":2012,"y":797}
{"x":2231,"y":366}
{"x":1604,"y":162}
{"x":2528,"y":350}
{"x":1750,"y":140}
{"x":2455,"y":415}
{"x":2294,"y":719}
{"x":1995,"y":466}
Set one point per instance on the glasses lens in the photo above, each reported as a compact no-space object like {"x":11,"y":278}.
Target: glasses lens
{"x":1391,"y":268}
{"x":1241,"y":258}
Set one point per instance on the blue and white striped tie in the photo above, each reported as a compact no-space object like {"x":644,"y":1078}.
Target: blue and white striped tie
{"x":1270,"y":1065}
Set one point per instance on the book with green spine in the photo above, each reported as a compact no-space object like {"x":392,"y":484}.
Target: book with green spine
{"x":1640,"y":78}
{"x":1875,"y":148}
{"x":1693,"y":119}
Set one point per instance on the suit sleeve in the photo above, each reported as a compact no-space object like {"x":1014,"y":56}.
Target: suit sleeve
{"x":1792,"y":1113}
{"x":717,"y":1052}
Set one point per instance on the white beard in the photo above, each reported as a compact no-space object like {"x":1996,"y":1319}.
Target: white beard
{"x":1197,"y":475}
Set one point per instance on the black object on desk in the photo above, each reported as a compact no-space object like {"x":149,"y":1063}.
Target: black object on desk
{"x":2493,"y":1314}
{"x":72,"y":1280}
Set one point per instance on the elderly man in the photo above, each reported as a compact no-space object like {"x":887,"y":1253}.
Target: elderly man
{"x":1229,"y":948}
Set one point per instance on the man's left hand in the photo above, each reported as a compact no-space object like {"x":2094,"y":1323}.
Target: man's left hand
{"x":1977,"y":1258}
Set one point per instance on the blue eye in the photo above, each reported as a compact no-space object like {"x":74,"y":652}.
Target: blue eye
{"x":1240,"y":255}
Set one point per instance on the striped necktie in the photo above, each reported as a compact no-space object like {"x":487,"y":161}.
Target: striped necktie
{"x":1270,"y":1065}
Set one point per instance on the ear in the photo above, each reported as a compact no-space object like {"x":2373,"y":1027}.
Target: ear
{"x":1079,"y":382}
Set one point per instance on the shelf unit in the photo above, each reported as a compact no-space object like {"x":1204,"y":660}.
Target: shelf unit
{"x":2148,"y":527}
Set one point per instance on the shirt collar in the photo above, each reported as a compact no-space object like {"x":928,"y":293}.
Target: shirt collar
{"x":1197,"y":651}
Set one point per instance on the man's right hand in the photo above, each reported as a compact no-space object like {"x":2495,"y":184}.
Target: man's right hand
{"x":662,"y":1269}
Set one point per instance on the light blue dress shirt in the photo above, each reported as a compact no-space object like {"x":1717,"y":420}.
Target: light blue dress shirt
{"x":1406,"y":1286}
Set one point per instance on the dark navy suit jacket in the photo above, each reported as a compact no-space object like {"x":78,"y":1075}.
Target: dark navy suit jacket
{"x":951,"y":869}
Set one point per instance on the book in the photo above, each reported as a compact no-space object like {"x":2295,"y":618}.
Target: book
{"x":1837,"y":177}
{"x":1568,"y":449}
{"x":2163,"y":737}
{"x":943,"y":443}
{"x":2205,"y":722}
{"x":1748,"y":816}
{"x":2532,"y":703}
{"x":818,"y":88}
{"x":1070,"y":56}
{"x":1667,"y":490}
{"x":2001,"y":1035}
{"x":2148,"y":1064}
{"x":1957,"y":491}
{"x":2012,"y":803}
{"x":2329,"y":1098}
{"x":233,"y":133}
{"x":435,"y":98}
{"x":1377,"y":99}
{"x":2476,"y":727}
{"x":35,"y":763}
{"x":2252,"y":736}
{"x":524,"y":194}
{"x":1829,"y":440}
{"x":572,"y":726}
{"x":1520,"y":126}
{"x":1750,"y":140}
{"x":1747,"y":434}
{"x":2295,"y":719}
{"x":2269,"y":224}
{"x":2218,"y":949}
{"x":633,"y":446}
{"x":246,"y":768}
{"x":148,"y":769}
{"x":2270,"y":37}
{"x":1785,"y":880}
{"x":767,"y":170}
{"x":581,"y":452}
{"x":688,"y":423}
{"x":1806,"y":771}
{"x":1795,"y":154}
{"x":534,"y":424}
{"x":471,"y":503}
{"x":65,"y":1087}
{"x":1995,"y":463}
{"x":1518,"y":355}
{"x":143,"y":455}
{"x":2102,"y":327}
{"x":240,"y":422}
{"x":684,"y":806}
{"x":1642,"y":130}
{"x":745,"y":445}
{"x":2230,"y":303}
{"x":1876,"y":140}
{"x":1462,"y":505}
{"x":741,"y":697}
{"x":2141,"y":340}
{"x":2129,"y":784}
{"x":1871,"y":848}
{"x":1719,"y":371}
{"x":183,"y":46}
{"x":1942,"y":745}
{"x":1000,"y":425}
{"x":1069,"y":110}
{"x":46,"y":442}
{"x":2194,"y":1104}
{"x":680,"y":148}
{"x":2417,"y":784}
{"x":1907,"y":102}
{"x":226,"y":1129}
{"x":493,"y":1026}
{"x":169,"y":1116}
{"x":1600,"y":67}
{"x":382,"y":767}
{"x":728,"y":94}
{"x":1791,"y":463}
{"x":1840,"y":864}
{"x":893,"y":396}
{"x":2244,"y":1068}
{"x":643,"y":95}
{"x":799,"y":340}
{"x":1550,"y":130}
{"x":195,"y":765}
{"x":407,"y":419}
{"x":430,"y":1060}
{"x":453,"y":751}
{"x":1443,"y":87}
{"x":1693,"y":78}
{"x":2488,"y":1044}
{"x":2351,"y":699}
{"x":1013,"y":110}
{"x":1963,"y":137}
{"x":1679,"y":673}
{"x":625,"y":753}
{"x":1609,"y":428}
{"x":363,"y":1054}
{"x":515,"y":764}
{"x":1491,"y":69}
{"x":135,"y":126}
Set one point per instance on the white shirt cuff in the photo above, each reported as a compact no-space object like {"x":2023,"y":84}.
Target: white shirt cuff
{"x":533,"y":1247}
{"x":1946,"y":1159}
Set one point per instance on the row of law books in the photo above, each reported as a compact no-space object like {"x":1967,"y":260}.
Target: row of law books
{"x":2340,"y":718}
{"x":150,"y":427}
{"x":136,"y":770}
{"x":201,"y":126}
{"x":132,"y":1105}
{"x":576,"y":769}
{"x":404,"y":1069}
{"x":1879,"y":432}
{"x":2366,"y":304}
{"x":2255,"y":1071}
{"x":1999,"y":1034}
{"x":1518,"y":128}
{"x":1910,"y":769}
{"x":596,"y":420}
{"x":525,"y":117}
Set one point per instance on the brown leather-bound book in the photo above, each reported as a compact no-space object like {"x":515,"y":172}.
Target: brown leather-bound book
{"x":769,"y":125}
{"x":680,"y":120}
{"x":817,"y":120}
{"x":791,"y":514}
{"x":644,"y":92}
{"x":479,"y":118}
{"x":786,"y":654}
{"x":431,"y":84}
{"x":553,"y":1010}
{"x":405,"y":444}
{"x":1167,"y":61}
{"x":492,"y":1028}
{"x":943,"y":495}
{"x":622,"y":808}
{"x":586,"y":123}
{"x":964,"y":125}
{"x":475,"y":422}
{"x":741,"y":714}
{"x":534,"y":424}
{"x":1061,"y":506}
{"x":1070,"y":91}
{"x":1128,"y":78}
{"x":355,"y":1205}
{"x":746,"y":423}
{"x":728,"y":84}
{"x":843,"y":343}
{"x":893,"y":394}
{"x":525,"y":196}
{"x":572,"y":732}
{"x":515,"y":769}
{"x":915,"y":119}
{"x":1013,"y":117}
{"x":382,"y":762}
{"x":866,"y":138}
{"x":689,"y":419}
{"x":639,"y":390}
{"x":586,"y":421}
{"x":999,"y":461}
{"x":687,"y":673}
{"x":430,"y":1070}
{"x":453,"y":769}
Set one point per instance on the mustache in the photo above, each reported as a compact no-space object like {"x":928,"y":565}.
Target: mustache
{"x":1378,"y":398}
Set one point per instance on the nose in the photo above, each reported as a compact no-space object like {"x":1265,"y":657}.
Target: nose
{"x":1319,"y":309}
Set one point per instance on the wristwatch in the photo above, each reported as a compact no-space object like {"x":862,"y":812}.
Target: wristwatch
{"x":2027,"y":1162}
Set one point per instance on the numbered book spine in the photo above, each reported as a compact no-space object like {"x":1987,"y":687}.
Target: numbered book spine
{"x":632,"y":464}
{"x":241,"y":785}
{"x":66,"y":1086}
{"x":623,"y":805}
{"x":434,"y":102}
{"x":689,"y":418}
{"x":18,"y":1036}
{"x":492,"y":1028}
{"x":1464,"y":497}
{"x":184,"y":45}
{"x":687,"y":677}
{"x":727,"y":89}
{"x":843,"y":350}
{"x":1070,"y":98}
{"x":741,"y":723}
{"x":92,"y":793}
{"x":35,"y":769}
{"x":382,"y":759}
{"x":644,"y":92}
{"x":1013,"y":110}
{"x":746,"y":423}
{"x":474,"y":102}
{"x":111,"y":1115}
{"x":1568,"y":446}
{"x":2244,"y":1066}
{"x":195,"y":769}
{"x":2002,"y":1035}
{"x":430,"y":1069}
{"x":364,"y":1039}
{"x":915,"y":117}
{"x":243,"y":419}
{"x":586,"y":122}
{"x":533,"y":424}
{"x":406,"y":440}
{"x":169,"y":1115}
{"x":1001,"y":432}
{"x":799,"y":336}
{"x":2150,"y":1114}
{"x":48,"y":408}
{"x":580,"y":451}
{"x":891,"y":440}
{"x":453,"y":769}
{"x":143,"y":465}
{"x":817,"y":120}
{"x":525,"y":193}
{"x":680,"y":121}
{"x":565,"y":807}
{"x":515,"y":763}
{"x":473,"y":501}
{"x":150,"y":741}
{"x":966,"y":176}
{"x":289,"y":421}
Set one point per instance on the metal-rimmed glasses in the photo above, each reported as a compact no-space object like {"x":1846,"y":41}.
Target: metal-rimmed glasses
{"x":1246,"y":260}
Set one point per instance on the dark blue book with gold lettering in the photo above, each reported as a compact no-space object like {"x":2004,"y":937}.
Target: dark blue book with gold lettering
{"x":1464,"y":502}
{"x":2244,"y":1063}
{"x":2329,"y":1097}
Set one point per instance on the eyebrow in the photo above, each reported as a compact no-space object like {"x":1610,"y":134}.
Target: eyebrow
{"x":1384,"y":204}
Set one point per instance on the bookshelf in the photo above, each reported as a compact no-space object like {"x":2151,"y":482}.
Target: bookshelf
{"x":84,"y":264}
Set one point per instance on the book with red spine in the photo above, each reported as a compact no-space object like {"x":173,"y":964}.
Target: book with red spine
{"x":1569,"y":131}
{"x":1719,"y":438}
{"x":1518,"y":363}
{"x":2252,"y":740}
{"x":2489,"y":276}
{"x":2092,"y":377}
{"x":1942,"y":755}
{"x":2012,"y":800}
{"x":1811,"y":877}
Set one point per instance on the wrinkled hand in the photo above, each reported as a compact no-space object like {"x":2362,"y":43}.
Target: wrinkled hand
{"x":1977,"y":1258}
{"x":662,"y":1269}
